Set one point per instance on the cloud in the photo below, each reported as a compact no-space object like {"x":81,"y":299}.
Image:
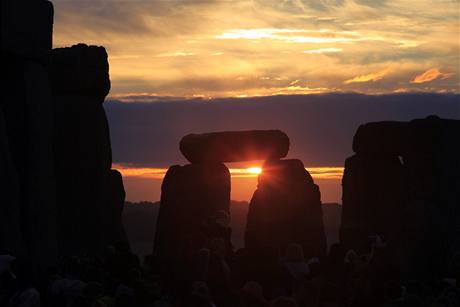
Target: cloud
{"x":323,"y":50}
{"x":217,"y":41}
{"x":369,"y":77}
{"x":430,"y":75}
{"x":320,"y":127}
{"x":177,"y":54}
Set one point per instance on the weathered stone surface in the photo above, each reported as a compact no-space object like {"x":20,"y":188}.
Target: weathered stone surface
{"x":190,"y":196}
{"x":114,"y":232}
{"x":90,"y":195}
{"x":10,"y":209}
{"x":27,"y":28}
{"x":80,"y":70}
{"x":235,"y":146}
{"x":373,"y":194}
{"x":286,"y":208}
{"x":414,"y":203}
{"x":28,"y":117}
{"x":82,"y":136}
{"x":387,"y":137}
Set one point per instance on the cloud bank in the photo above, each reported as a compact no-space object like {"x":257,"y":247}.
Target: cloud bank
{"x":321,"y":127}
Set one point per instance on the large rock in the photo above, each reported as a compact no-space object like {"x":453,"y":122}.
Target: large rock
{"x":114,"y":232}
{"x":387,"y":137}
{"x":27,"y":112}
{"x":89,"y":194}
{"x":373,"y":195}
{"x":191,"y":195}
{"x":80,"y":70}
{"x":235,"y":146}
{"x":404,"y":183}
{"x":83,"y":162}
{"x":286,"y":208}
{"x":27,"y":29}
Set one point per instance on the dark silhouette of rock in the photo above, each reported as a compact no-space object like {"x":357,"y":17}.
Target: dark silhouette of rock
{"x":235,"y":146}
{"x":80,"y":70}
{"x":286,"y":208}
{"x":381,"y":138}
{"x":89,"y":194}
{"x":373,"y":195}
{"x":10,"y":210}
{"x":28,"y":116}
{"x":404,"y":183}
{"x":191,"y":196}
{"x":114,"y":232}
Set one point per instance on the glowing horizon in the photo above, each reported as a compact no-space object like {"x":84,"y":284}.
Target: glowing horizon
{"x":251,"y":171}
{"x":144,"y":183}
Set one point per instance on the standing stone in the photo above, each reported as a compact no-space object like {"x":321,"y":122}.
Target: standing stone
{"x":373,"y":195}
{"x":404,"y":183}
{"x":114,"y":232}
{"x":286,"y":208}
{"x":190,"y":196}
{"x":28,"y":122}
{"x":80,"y":82}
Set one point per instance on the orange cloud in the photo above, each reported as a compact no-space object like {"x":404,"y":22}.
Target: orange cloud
{"x":369,"y":77}
{"x":430,"y":75}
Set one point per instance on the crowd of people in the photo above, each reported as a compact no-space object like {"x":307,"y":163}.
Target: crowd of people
{"x":213,"y":276}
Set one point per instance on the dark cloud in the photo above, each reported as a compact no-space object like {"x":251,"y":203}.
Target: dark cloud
{"x":321,"y":127}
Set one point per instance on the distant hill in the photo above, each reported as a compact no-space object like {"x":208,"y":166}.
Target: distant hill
{"x":140,"y":218}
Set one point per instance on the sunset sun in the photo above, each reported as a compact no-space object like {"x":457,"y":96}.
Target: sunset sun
{"x":254,"y":170}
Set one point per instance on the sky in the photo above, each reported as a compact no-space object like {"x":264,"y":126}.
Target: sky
{"x":246,"y":48}
{"x":314,"y":69}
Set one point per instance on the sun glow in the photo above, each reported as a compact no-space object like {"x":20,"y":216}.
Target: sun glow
{"x":254,"y":170}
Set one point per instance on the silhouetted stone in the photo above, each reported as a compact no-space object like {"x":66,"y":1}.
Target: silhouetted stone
{"x":10,"y":210}
{"x":82,"y":148}
{"x":235,"y":146}
{"x":404,"y":183}
{"x":286,"y":208}
{"x":27,"y":29}
{"x":27,"y":110}
{"x":190,"y":196}
{"x":80,"y":70}
{"x":373,"y":195}
{"x":381,"y":138}
{"x":114,"y":232}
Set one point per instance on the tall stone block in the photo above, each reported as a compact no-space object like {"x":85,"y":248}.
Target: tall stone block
{"x":404,"y":183}
{"x":286,"y":208}
{"x":373,"y":195}
{"x":28,"y":123}
{"x":190,"y":196}
{"x":114,"y":232}
{"x":80,"y":82}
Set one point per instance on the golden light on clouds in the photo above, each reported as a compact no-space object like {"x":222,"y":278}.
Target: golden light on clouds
{"x":369,"y":77}
{"x":430,"y":75}
{"x":255,"y":48}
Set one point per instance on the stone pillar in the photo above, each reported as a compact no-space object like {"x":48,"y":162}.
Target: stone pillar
{"x":191,"y":196}
{"x":28,"y":122}
{"x":404,"y":183}
{"x":373,"y":195}
{"x":88,"y":192}
{"x":286,"y":208}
